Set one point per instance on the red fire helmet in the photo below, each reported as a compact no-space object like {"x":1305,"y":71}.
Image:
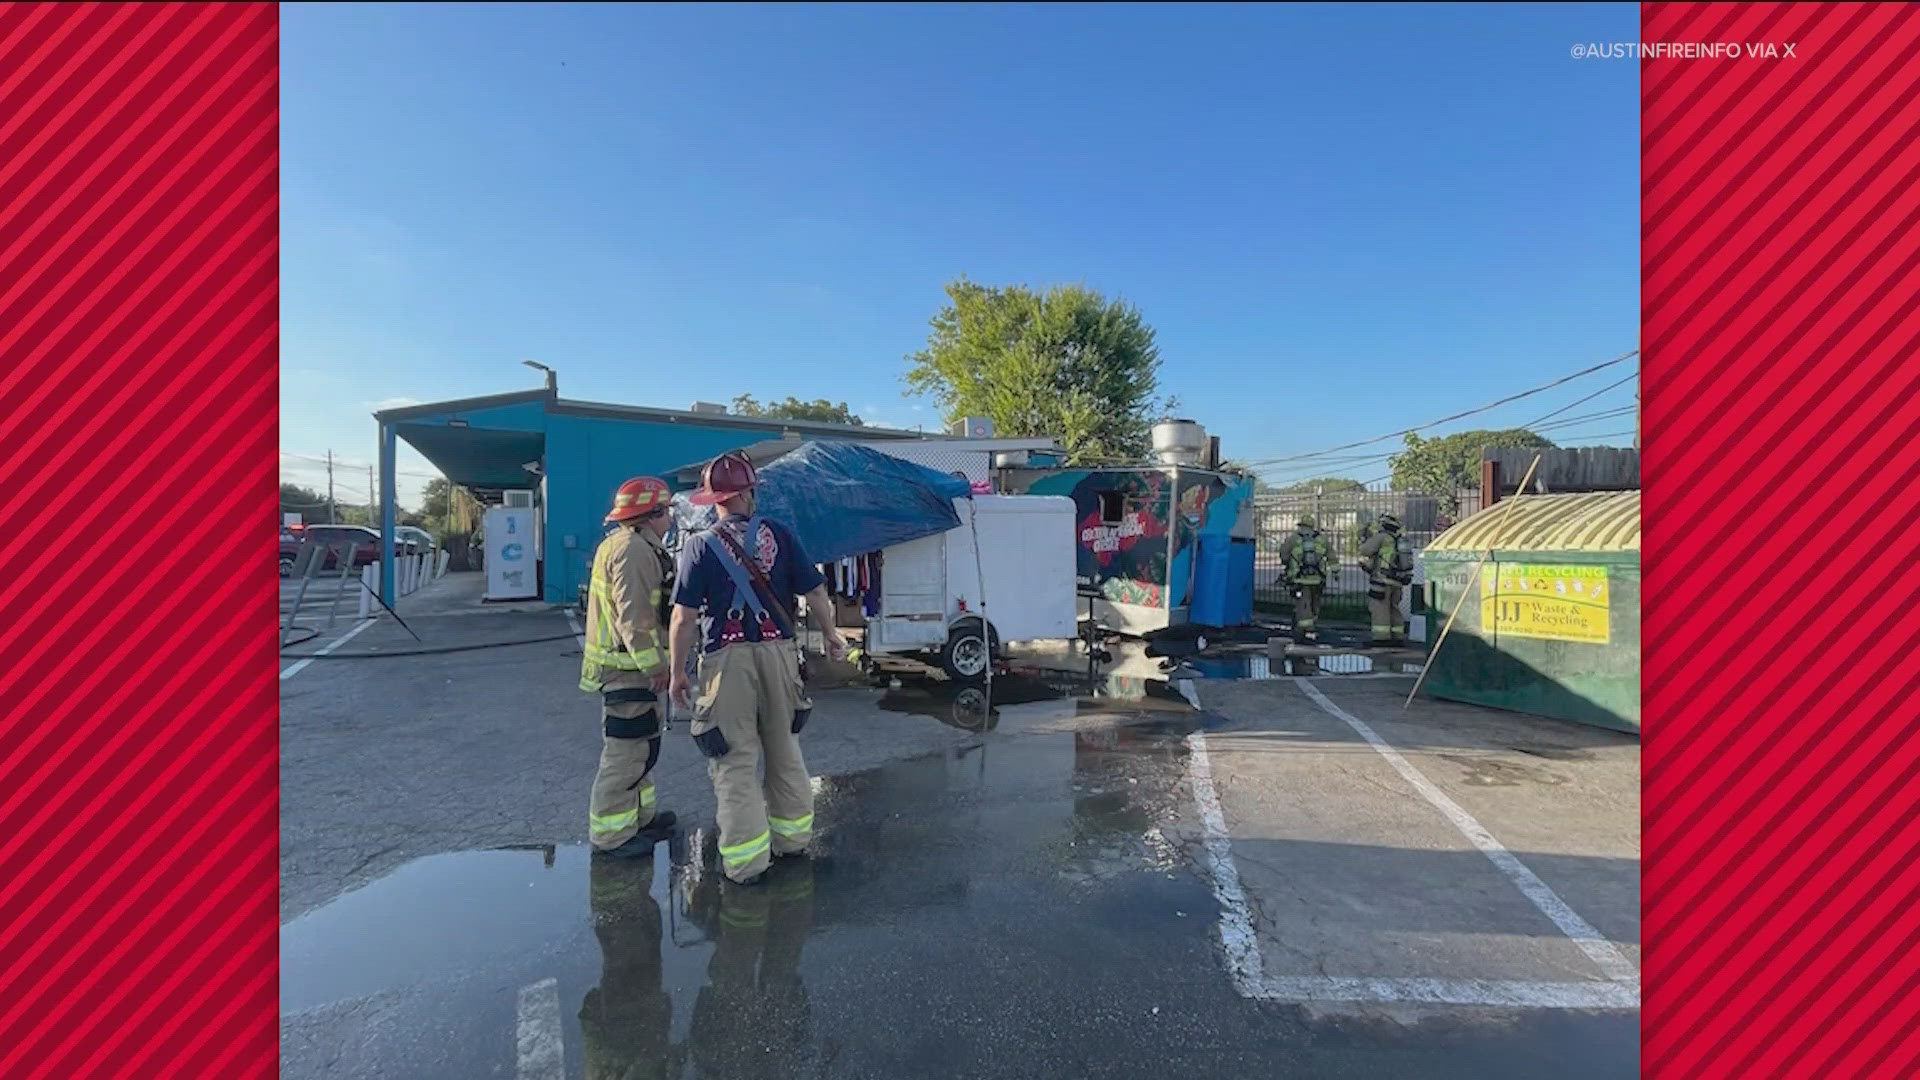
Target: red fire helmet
{"x":723,"y":478}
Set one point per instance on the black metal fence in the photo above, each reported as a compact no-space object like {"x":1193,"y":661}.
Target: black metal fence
{"x":1343,"y":517}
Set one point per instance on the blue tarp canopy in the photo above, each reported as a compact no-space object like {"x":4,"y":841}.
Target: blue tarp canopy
{"x":842,"y":500}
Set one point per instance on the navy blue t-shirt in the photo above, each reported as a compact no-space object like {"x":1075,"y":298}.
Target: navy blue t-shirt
{"x":725,"y":618}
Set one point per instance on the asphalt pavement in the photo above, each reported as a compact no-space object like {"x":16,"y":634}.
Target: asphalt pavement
{"x":1096,"y":882}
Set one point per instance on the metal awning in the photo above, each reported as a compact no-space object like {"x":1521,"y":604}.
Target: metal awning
{"x":760,"y":453}
{"x":483,"y":460}
{"x":483,"y":444}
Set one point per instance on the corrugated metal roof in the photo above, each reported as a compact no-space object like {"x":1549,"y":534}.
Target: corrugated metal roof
{"x":1598,"y":521}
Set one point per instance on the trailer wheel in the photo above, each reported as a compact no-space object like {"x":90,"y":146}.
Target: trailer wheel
{"x":968,"y":653}
{"x":971,"y":711}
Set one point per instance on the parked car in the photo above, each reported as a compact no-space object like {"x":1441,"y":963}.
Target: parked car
{"x":289,"y":551}
{"x":364,"y":542}
{"x":411,"y":540}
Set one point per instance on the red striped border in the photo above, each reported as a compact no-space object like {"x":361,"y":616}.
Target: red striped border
{"x":139,"y":178}
{"x":1781,"y":311}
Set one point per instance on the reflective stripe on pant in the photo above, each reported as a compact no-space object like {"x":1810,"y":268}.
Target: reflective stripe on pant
{"x":750,"y":691}
{"x":623,"y":796}
{"x":1384,"y":611}
{"x":1306,"y":611}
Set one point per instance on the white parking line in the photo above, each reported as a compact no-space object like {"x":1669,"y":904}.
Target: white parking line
{"x":1329,"y":989}
{"x":1582,"y":933}
{"x":1236,"y":921}
{"x":295,"y":669}
{"x":1245,"y":964}
{"x":542,"y":1051}
{"x":579,"y":634}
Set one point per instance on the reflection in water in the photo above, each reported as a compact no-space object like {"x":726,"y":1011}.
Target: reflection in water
{"x":752,"y":1018}
{"x":626,"y":1020}
{"x":696,"y":976}
{"x":1131,"y":670}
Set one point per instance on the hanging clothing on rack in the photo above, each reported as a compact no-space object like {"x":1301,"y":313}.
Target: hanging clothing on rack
{"x":871,"y":595}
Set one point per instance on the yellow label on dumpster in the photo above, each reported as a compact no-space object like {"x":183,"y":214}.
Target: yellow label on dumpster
{"x":1554,"y":603}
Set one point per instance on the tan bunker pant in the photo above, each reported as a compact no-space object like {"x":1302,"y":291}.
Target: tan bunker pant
{"x":1306,"y":611}
{"x":751,"y":692}
{"x":623,"y":795}
{"x":1388,"y":617}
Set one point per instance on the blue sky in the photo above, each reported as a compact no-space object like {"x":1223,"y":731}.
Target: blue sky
{"x":1340,"y":220}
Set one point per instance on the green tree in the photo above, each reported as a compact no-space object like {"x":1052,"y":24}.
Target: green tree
{"x":298,"y":498}
{"x":436,"y":499}
{"x":1066,"y":363}
{"x":820,"y":410}
{"x":1330,"y":485}
{"x":1442,"y":467}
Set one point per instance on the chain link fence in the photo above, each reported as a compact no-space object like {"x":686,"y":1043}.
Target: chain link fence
{"x":1345,"y":517}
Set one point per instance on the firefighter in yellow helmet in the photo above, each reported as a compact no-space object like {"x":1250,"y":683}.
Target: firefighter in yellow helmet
{"x":734,"y":608}
{"x":1308,"y":566}
{"x":625,"y":662}
{"x":1388,"y":561}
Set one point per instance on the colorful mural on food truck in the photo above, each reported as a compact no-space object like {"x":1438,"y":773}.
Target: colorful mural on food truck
{"x":1125,"y":516}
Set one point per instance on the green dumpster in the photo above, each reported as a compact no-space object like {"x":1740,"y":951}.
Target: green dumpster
{"x":1552,"y":627}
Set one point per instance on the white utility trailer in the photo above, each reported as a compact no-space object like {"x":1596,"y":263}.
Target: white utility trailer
{"x":932,"y":594}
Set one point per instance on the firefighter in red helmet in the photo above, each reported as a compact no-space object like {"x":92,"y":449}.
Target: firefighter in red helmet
{"x":625,"y":662}
{"x":734,"y":609}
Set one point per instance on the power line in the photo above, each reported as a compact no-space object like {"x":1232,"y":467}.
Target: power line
{"x":346,"y":464}
{"x":1578,"y":420}
{"x":1584,"y":400}
{"x":1308,"y":468}
{"x":1456,"y":416}
{"x":1318,"y":464}
{"x":1322,"y":463}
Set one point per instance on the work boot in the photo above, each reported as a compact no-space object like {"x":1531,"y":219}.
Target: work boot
{"x":641,"y":844}
{"x":757,"y":879}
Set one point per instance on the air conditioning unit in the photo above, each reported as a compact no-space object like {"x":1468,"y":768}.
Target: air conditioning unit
{"x":972,"y":427}
{"x":709,"y":408}
{"x":517,"y":500}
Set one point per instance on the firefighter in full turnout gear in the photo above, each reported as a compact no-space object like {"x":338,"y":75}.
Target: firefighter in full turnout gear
{"x":1389,"y":564}
{"x":734,"y":597}
{"x":625,"y":662}
{"x":1308,"y":563}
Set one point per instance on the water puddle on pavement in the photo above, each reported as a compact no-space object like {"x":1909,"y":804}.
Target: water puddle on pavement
{"x":996,"y":831}
{"x":1125,"y":676}
{"x":1040,"y":870}
{"x":462,"y":909}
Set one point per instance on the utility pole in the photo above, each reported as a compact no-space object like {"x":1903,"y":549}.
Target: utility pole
{"x":332,"y":517}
